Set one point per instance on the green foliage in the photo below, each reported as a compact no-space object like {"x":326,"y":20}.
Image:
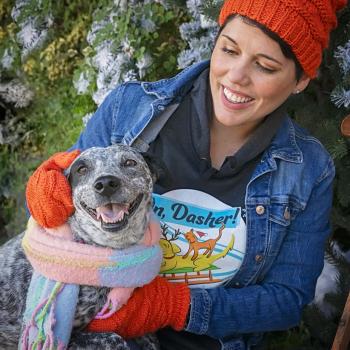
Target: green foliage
{"x":141,"y":41}
{"x":54,"y":119}
{"x":47,"y":64}
{"x":211,"y":8}
{"x":57,"y":120}
{"x":163,"y":45}
{"x":322,"y":327}
{"x":295,"y":338}
{"x":13,"y":172}
{"x":52,"y":123}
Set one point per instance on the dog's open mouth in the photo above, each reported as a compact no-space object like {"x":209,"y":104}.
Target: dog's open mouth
{"x":113,"y":216}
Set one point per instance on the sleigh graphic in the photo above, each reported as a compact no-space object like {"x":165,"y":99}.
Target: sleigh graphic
{"x":192,"y":278}
{"x":203,"y":239}
{"x":197,"y":264}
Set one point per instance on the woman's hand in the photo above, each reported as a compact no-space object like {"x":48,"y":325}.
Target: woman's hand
{"x":154,"y":306}
{"x":48,"y":192}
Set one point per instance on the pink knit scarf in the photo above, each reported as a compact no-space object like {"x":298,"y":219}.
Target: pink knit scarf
{"x":54,"y":254}
{"x":61,"y":265}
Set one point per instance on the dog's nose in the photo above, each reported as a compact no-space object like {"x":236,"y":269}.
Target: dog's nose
{"x":106,"y":185}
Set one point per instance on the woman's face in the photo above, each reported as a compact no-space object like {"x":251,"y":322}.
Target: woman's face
{"x":249,"y":76}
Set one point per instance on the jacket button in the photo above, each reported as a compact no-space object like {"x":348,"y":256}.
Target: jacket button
{"x":161,"y":108}
{"x":260,"y":209}
{"x":259,"y":258}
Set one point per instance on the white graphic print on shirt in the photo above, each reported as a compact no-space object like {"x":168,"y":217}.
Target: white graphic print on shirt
{"x":203,"y":239}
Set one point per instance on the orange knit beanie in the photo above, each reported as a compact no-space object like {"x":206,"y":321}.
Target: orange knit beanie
{"x":303,"y":24}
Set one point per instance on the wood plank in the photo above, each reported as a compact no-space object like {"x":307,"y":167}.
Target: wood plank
{"x":342,"y":337}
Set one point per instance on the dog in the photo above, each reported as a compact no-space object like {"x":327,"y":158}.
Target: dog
{"x":196,"y":246}
{"x":111,"y":190}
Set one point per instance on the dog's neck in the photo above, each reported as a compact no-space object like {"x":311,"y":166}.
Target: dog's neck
{"x":78,"y":232}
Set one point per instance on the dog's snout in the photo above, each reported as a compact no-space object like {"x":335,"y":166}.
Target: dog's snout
{"x":106,"y":185}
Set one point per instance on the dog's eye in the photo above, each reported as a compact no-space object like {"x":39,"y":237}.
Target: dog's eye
{"x":130,"y":163}
{"x":82,"y":169}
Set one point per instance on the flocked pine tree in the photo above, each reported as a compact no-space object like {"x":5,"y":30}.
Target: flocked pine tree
{"x":130,"y":40}
{"x":331,"y":97}
{"x":199,"y":34}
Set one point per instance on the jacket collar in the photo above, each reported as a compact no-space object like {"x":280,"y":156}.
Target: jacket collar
{"x":177,"y":86}
{"x":284,"y":145}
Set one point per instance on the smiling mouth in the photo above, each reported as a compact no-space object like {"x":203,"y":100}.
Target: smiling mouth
{"x":113,"y":216}
{"x":233,"y":98}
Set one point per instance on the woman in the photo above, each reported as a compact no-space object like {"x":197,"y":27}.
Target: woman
{"x":250,"y":189}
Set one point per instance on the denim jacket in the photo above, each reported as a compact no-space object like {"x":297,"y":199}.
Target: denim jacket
{"x":288,"y":201}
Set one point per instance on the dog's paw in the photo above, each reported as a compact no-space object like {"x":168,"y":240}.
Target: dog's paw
{"x":116,"y":298}
{"x":97,"y":341}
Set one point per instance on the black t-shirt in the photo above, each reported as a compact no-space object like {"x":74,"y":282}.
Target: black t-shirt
{"x":184,"y":146}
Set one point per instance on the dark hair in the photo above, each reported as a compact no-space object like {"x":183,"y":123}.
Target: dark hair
{"x":285,"y":48}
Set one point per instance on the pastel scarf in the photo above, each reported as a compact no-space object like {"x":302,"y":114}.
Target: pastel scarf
{"x":61,"y":265}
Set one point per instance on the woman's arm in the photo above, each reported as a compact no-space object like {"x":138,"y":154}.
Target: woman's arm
{"x":273,"y":304}
{"x":276,"y":302}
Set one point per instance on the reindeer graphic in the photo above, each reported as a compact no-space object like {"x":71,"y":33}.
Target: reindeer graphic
{"x":173,"y":262}
{"x":169,"y":249}
{"x":195,"y":245}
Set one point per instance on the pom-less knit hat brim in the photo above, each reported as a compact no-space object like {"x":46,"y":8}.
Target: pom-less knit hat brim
{"x":303,"y":25}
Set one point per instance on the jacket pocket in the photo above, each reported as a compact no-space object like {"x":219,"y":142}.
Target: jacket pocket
{"x":281,"y":214}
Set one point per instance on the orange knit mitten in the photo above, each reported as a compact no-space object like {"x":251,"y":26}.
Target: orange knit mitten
{"x":48,"y":192}
{"x":150,"y":308}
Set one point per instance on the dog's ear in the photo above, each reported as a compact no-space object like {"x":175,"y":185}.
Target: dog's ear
{"x":159,"y":171}
{"x":66,"y":173}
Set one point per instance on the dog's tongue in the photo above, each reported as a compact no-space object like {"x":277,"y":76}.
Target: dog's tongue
{"x":112,"y":213}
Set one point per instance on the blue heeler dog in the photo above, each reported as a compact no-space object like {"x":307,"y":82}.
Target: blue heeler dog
{"x":98,"y":177}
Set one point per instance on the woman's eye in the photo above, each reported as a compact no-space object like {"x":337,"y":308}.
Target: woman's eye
{"x":229,"y":51}
{"x":82,"y":170}
{"x":130,"y":163}
{"x":265,"y":69}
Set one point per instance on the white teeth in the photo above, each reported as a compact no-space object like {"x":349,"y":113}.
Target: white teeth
{"x":105,"y":218}
{"x":112,"y":213}
{"x":234,"y":98}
